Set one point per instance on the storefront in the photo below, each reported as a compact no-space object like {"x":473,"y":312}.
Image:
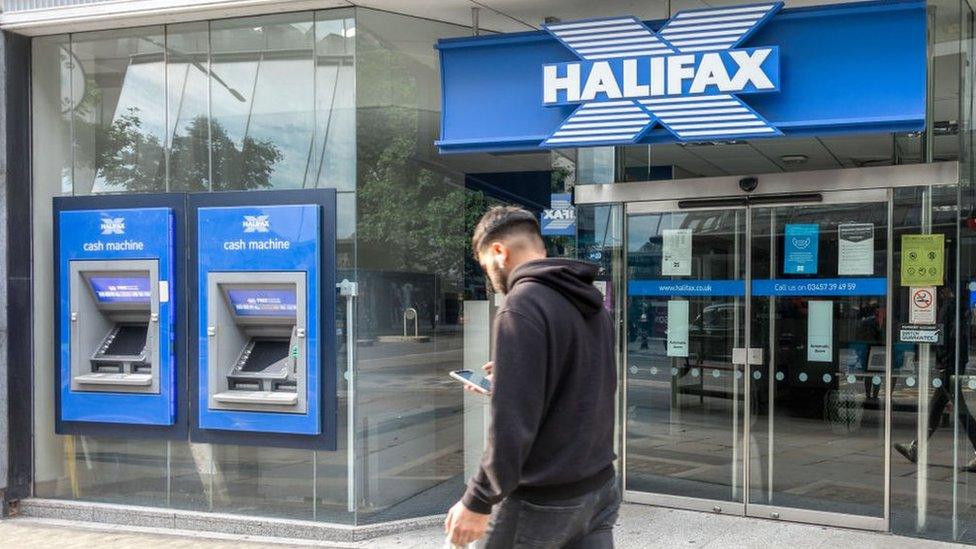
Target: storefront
{"x":784,"y":335}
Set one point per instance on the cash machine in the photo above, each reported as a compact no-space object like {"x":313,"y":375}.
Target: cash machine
{"x":117,"y":330}
{"x":257,"y":328}
{"x":114,"y":319}
{"x":264,"y":318}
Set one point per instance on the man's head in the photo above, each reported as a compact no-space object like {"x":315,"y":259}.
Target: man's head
{"x":505,"y":238}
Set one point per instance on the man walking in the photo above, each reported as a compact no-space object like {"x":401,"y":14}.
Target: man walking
{"x":549,"y":459}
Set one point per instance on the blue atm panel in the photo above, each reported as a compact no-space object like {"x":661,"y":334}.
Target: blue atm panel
{"x":264,"y":320}
{"x":117,"y":318}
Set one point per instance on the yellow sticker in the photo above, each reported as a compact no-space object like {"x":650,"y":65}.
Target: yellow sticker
{"x":922,"y":259}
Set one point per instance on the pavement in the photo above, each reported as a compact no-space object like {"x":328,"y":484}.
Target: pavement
{"x":640,"y":526}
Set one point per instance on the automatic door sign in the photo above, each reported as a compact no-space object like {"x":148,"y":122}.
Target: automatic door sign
{"x":922,"y":305}
{"x":922,"y":259}
{"x":677,"y":335}
{"x":820,"y":331}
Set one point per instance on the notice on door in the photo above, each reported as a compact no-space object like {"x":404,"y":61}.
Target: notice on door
{"x":922,"y":259}
{"x":820,"y":331}
{"x":676,"y":252}
{"x":801,"y":248}
{"x":855,"y":249}
{"x":921,"y":305}
{"x":677,"y":335}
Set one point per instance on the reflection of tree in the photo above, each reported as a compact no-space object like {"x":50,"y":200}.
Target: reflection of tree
{"x":249,"y":167}
{"x":129,"y":159}
{"x":411,"y":217}
{"x":125,"y":157}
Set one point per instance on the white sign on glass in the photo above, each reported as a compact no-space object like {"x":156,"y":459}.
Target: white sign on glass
{"x":677,"y":334}
{"x":922,"y":305}
{"x":820,"y":331}
{"x":676,"y":252}
{"x":855,"y":250}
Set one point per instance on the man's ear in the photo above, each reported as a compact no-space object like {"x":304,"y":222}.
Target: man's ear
{"x":499,"y":252}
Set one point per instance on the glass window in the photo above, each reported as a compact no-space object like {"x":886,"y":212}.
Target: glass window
{"x":119,"y":111}
{"x":54,"y":74}
{"x":188,"y":134}
{"x":261,"y":96}
{"x":333,"y":156}
{"x":191,"y":108}
{"x":411,"y":248}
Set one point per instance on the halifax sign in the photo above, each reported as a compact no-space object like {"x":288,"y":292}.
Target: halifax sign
{"x":713,"y":74}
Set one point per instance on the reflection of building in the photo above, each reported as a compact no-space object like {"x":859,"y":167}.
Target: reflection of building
{"x":213,"y":96}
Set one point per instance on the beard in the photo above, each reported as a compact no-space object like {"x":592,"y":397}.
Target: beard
{"x":498,"y":279}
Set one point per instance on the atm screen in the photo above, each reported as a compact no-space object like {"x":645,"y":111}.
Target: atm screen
{"x":263,"y":302}
{"x":121,"y":289}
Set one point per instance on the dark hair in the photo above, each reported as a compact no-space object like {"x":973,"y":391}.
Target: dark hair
{"x":501,"y":222}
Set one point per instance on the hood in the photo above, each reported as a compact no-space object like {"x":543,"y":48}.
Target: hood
{"x":573,"y":279}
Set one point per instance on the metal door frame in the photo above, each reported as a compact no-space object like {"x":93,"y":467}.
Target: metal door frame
{"x":842,"y":186}
{"x":796,"y":514}
{"x":669,"y":500}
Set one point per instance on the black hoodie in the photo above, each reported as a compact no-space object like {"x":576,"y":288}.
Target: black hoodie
{"x":552,"y":401}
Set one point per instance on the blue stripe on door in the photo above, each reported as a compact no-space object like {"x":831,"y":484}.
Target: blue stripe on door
{"x":807,"y":287}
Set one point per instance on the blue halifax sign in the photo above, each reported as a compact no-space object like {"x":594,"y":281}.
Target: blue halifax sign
{"x":685,"y":77}
{"x":712,"y":74}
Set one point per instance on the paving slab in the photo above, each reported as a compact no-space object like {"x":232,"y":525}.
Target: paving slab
{"x":639,"y":527}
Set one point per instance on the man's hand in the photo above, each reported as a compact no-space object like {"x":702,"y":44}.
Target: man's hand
{"x":488,"y":368}
{"x":464,"y":526}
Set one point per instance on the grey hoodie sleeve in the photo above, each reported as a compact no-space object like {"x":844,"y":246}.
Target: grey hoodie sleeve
{"x":517,"y":405}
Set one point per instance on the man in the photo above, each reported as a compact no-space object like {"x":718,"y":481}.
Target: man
{"x":549,"y":458}
{"x":946,"y":368}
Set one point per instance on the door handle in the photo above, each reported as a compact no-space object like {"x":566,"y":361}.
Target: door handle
{"x":739,"y":356}
{"x":755,"y":356}
{"x":752,"y":356}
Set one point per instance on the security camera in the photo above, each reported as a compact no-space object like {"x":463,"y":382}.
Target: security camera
{"x":748,"y":184}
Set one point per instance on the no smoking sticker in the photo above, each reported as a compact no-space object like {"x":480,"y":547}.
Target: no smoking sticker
{"x":922,"y":305}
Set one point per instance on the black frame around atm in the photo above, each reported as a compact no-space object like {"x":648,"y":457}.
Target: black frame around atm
{"x":328,"y":341}
{"x":177,"y":202}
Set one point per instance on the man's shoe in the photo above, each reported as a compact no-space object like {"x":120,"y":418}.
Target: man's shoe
{"x":969,"y":467}
{"x":910,"y":451}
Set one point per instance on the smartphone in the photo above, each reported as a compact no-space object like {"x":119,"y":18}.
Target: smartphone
{"x":477,"y":380}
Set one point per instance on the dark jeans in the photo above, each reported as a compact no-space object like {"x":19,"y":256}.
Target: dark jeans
{"x":938,"y":405}
{"x":584,"y":522}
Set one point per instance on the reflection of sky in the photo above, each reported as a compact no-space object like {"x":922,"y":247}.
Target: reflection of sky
{"x":226,"y":109}
{"x":142,"y":89}
{"x":335,"y":128}
{"x":286,"y":101}
{"x":601,"y":231}
{"x":188,"y":96}
{"x":641,"y":228}
{"x":283,"y":102}
{"x":141,"y":96}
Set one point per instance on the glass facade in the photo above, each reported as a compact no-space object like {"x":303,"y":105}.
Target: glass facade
{"x":256,"y":103}
{"x":349,"y":99}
